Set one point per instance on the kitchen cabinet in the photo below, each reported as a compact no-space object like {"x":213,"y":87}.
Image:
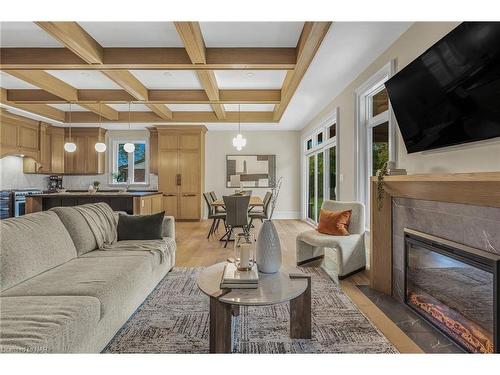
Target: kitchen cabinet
{"x":148,"y":205}
{"x":57,"y":150}
{"x":85,"y":160}
{"x":18,"y":136}
{"x":153,"y":150}
{"x":181,"y":170}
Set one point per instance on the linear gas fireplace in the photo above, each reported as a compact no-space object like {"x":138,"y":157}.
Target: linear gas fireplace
{"x":455,"y":288}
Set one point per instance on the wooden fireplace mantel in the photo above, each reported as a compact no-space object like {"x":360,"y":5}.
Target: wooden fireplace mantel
{"x":480,"y":189}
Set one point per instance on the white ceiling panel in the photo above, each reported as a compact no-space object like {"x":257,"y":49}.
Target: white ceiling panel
{"x":9,"y":82}
{"x":250,"y":79}
{"x":133,"y":34}
{"x":65,"y":107}
{"x":251,"y":34}
{"x":84,"y":79}
{"x":249,"y":107}
{"x":134,"y":107}
{"x":168,"y":79}
{"x":190,"y":107}
{"x":25,"y":34}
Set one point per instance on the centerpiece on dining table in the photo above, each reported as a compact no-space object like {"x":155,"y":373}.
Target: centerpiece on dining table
{"x":241,"y":271}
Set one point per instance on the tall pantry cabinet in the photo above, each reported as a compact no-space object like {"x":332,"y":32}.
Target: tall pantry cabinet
{"x":181,"y":170}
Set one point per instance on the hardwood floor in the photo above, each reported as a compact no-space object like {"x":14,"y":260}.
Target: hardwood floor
{"x":194,"y":249}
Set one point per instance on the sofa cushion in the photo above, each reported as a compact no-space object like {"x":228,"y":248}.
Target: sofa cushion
{"x":79,"y":230}
{"x":112,"y":280}
{"x":32,"y":244}
{"x":55,"y":324}
{"x":140,"y":227}
{"x":157,"y":251}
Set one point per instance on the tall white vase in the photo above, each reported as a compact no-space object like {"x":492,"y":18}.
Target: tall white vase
{"x":268,"y":248}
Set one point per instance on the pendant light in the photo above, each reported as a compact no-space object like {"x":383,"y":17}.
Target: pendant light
{"x":129,"y":147}
{"x":239,"y":142}
{"x":99,"y":146}
{"x":69,"y":146}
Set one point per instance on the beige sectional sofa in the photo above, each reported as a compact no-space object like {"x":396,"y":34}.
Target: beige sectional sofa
{"x":61,"y":294}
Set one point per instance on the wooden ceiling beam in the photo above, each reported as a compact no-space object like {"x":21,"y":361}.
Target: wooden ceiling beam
{"x":59,"y":88}
{"x":161,"y":110}
{"x":149,"y":58}
{"x":310,"y":40}
{"x":37,"y":109}
{"x":150,"y":117}
{"x":75,"y":38}
{"x":192,"y":38}
{"x":47,"y":82}
{"x":36,"y":96}
{"x":134,"y":87}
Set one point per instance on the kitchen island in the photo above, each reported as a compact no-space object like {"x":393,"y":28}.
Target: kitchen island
{"x":132,"y":202}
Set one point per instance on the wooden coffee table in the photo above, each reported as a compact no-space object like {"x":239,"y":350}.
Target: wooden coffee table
{"x":286,"y":285}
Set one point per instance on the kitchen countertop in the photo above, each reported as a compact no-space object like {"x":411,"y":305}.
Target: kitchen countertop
{"x":107,"y":194}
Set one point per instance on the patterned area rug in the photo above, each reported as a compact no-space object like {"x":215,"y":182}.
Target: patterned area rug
{"x":175,"y":319}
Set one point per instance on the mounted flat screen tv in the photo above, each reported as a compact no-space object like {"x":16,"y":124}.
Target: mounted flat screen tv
{"x":450,"y":94}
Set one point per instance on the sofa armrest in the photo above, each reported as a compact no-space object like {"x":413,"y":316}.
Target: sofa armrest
{"x":168,"y":227}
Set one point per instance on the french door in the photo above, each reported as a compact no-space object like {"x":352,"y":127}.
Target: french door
{"x":321,"y":180}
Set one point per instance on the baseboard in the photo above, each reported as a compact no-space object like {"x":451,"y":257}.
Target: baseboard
{"x":293,"y":215}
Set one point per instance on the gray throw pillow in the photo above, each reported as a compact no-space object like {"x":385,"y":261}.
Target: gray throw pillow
{"x":140,"y":227}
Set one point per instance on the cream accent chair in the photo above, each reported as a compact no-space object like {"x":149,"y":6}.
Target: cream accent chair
{"x":349,"y":250}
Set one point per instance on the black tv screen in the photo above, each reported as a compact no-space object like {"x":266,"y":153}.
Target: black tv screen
{"x":451,"y":93}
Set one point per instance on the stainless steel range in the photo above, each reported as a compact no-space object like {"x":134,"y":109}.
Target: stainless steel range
{"x":19,"y":200}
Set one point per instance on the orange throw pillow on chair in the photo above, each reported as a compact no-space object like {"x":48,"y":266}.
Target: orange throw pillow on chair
{"x":335,"y":223}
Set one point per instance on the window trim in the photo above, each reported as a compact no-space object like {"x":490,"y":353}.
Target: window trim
{"x":323,"y":127}
{"x":364,"y":121}
{"x":114,"y":142}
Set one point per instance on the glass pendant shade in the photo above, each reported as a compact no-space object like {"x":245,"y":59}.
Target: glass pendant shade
{"x":69,"y":147}
{"x":100,"y":147}
{"x":239,"y":142}
{"x":129,"y":147}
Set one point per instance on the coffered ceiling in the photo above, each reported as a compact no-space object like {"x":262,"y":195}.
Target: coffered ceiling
{"x":170,"y":72}
{"x":252,"y":64}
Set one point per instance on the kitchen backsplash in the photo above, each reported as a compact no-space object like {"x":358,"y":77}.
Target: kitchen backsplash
{"x":12,"y":177}
{"x":83,"y":182}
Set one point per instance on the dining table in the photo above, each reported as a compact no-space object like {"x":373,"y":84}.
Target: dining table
{"x":255,"y":201}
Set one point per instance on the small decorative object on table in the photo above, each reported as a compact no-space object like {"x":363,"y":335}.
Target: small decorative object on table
{"x":268,"y":248}
{"x":232,"y":278}
{"x":244,"y":251}
{"x":92,"y":189}
{"x":97,"y":185}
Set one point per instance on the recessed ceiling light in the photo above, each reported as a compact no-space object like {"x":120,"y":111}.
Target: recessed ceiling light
{"x":250,"y":74}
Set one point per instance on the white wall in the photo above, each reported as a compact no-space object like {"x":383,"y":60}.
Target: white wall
{"x":283,"y":144}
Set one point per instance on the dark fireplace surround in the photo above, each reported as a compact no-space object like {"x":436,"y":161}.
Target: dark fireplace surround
{"x":455,"y":288}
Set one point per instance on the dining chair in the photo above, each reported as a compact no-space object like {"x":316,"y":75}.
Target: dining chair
{"x":213,"y":214}
{"x":217,"y":209}
{"x":236,"y":214}
{"x":264,"y":214}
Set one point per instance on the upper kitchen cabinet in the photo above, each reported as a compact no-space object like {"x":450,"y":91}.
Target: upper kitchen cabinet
{"x":19,"y":136}
{"x":50,"y":157}
{"x":85,"y":160}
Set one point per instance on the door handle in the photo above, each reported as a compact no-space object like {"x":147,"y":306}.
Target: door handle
{"x":169,"y":195}
{"x":189,"y":195}
{"x":179,"y":180}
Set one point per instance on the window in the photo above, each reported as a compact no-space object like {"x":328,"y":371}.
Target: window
{"x":375,"y":132}
{"x":320,"y":172}
{"x":131,"y":168}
